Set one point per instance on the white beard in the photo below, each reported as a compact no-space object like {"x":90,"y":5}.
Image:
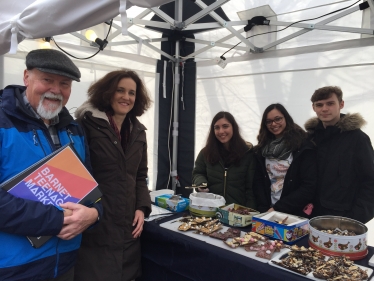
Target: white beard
{"x":50,"y":111}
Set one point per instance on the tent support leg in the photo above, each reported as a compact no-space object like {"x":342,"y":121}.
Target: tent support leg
{"x":174,"y":173}
{"x":2,"y":71}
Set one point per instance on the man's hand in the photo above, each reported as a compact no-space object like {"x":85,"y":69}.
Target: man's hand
{"x":271,"y":210}
{"x":203,"y":189}
{"x":138,"y":221}
{"x":67,"y":212}
{"x":82,"y":217}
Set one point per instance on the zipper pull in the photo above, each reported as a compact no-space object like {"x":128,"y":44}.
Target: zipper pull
{"x":226,"y":172}
{"x":34,"y":137}
{"x":69,"y":135}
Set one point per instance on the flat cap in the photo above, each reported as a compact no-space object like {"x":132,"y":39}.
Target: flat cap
{"x":52,"y":61}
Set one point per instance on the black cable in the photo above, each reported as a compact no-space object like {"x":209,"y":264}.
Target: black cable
{"x":222,"y":57}
{"x":100,"y":47}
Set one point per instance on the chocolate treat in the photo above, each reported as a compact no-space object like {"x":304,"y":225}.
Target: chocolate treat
{"x":266,"y":251}
{"x":254,"y":248}
{"x":241,"y":211}
{"x":219,"y":235}
{"x":338,"y":231}
{"x":230,"y":233}
{"x":235,"y":232}
{"x":232,"y":244}
{"x":302,"y":260}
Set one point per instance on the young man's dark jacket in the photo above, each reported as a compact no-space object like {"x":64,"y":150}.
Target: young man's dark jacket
{"x":24,"y":140}
{"x":299,"y":183}
{"x":345,"y":168}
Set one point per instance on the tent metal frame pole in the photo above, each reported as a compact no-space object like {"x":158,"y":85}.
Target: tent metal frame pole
{"x":196,"y":26}
{"x":2,"y":71}
{"x":371,"y":5}
{"x":133,"y":36}
{"x":215,"y":16}
{"x":204,"y":12}
{"x":300,"y":32}
{"x":218,"y":44}
{"x":163,"y":15}
{"x":151,"y":23}
{"x":211,"y":46}
{"x":174,"y":164}
{"x":325,"y":27}
{"x":132,"y":42}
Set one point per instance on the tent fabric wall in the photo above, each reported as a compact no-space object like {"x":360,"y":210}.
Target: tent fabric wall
{"x":42,"y":18}
{"x":186,"y":129}
{"x":247,"y":95}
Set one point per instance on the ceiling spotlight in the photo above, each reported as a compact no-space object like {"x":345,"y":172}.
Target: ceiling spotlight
{"x":90,"y":35}
{"x":46,"y":43}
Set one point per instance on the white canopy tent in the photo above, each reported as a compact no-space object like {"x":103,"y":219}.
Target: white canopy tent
{"x":287,"y":73}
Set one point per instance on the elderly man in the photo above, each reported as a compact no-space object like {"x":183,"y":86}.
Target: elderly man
{"x":33,"y":124}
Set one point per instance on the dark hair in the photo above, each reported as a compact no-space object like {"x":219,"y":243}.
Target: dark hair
{"x":326,"y":92}
{"x":293,"y":134}
{"x":213,"y":146}
{"x":101,"y":92}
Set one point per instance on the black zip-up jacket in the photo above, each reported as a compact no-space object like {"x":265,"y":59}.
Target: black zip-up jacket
{"x":299,"y":183}
{"x":233,"y":183}
{"x":345,"y":168}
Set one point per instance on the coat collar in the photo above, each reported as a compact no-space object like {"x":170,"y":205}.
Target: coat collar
{"x":88,"y":107}
{"x":347,"y":122}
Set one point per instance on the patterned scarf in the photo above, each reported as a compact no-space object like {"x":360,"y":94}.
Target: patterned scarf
{"x":276,"y":149}
{"x":123,"y":136}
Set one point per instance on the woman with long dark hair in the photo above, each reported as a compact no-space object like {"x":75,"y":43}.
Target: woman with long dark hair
{"x":226,"y":163}
{"x":286,"y":171}
{"x":118,"y":150}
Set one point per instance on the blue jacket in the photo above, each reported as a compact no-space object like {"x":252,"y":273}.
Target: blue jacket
{"x":23,"y":141}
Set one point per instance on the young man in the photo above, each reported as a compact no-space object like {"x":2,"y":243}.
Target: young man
{"x":345,"y":159}
{"x":33,"y":123}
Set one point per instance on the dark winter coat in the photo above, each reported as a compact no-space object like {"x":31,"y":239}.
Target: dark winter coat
{"x":233,"y":183}
{"x":24,"y":140}
{"x":345,"y":168}
{"x":299,"y":186}
{"x":108,"y":251}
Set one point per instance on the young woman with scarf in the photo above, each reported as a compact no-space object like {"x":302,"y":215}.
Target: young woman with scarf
{"x":286,"y":170}
{"x":226,"y":162}
{"x":118,"y":150}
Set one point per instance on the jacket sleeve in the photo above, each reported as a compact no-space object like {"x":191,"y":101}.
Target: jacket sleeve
{"x":143,"y":199}
{"x":97,"y":205}
{"x":260,"y":183}
{"x":304,"y":193}
{"x":363,"y":208}
{"x":250,"y":200}
{"x":26,"y":217}
{"x":199,"y":172}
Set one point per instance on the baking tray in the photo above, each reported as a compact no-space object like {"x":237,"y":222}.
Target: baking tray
{"x":310,"y":275}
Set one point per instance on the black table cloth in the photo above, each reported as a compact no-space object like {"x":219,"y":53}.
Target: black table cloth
{"x":173,"y":256}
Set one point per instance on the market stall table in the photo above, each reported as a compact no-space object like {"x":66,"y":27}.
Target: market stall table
{"x":169,"y":255}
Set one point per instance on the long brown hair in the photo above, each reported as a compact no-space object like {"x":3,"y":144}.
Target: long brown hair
{"x":293,"y":134}
{"x":100,"y":93}
{"x":214,"y":146}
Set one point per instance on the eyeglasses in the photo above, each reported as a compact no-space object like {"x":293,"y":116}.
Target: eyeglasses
{"x":276,"y":120}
